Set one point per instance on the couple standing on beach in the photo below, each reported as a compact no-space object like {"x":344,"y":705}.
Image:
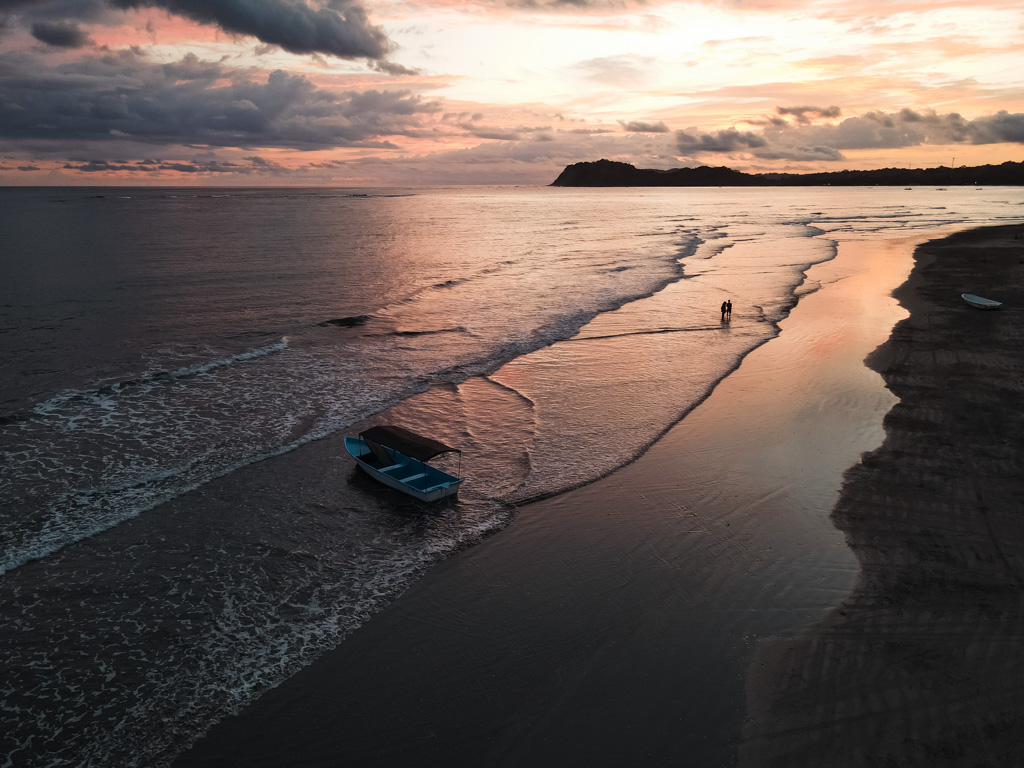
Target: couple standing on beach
{"x":727,"y":309}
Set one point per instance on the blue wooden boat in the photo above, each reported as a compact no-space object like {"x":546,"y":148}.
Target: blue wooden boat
{"x":398,"y":458}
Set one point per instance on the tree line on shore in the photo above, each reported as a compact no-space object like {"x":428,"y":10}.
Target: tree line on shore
{"x":610,"y":173}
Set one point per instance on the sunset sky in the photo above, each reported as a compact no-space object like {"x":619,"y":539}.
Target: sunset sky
{"x":393,"y":92}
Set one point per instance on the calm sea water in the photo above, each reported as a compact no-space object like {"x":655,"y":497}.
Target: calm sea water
{"x":158,"y":346}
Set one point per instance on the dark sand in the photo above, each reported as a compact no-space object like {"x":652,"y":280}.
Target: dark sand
{"x":922,"y":664}
{"x":616,"y":624}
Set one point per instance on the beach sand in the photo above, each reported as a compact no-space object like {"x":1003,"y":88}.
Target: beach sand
{"x":921,"y":665}
{"x":617,"y":624}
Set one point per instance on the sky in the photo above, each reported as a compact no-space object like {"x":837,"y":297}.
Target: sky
{"x":362,"y":93}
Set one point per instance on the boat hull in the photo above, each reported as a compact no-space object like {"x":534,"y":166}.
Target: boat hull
{"x":979,"y":302}
{"x":405,"y":474}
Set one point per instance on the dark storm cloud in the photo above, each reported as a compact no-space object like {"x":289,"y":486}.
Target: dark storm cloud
{"x":108,"y":166}
{"x":728,"y":140}
{"x":799,"y":153}
{"x":639,"y":126}
{"x":804,"y":114}
{"x":1000,"y":127}
{"x":390,"y":68}
{"x":340,"y":29}
{"x":869,"y":131}
{"x":252,"y":164}
{"x":191,"y":67}
{"x":61,"y":34}
{"x":910,"y":116}
{"x":29,"y":12}
{"x":884,"y":130}
{"x":123,"y":96}
{"x":954,"y":128}
{"x":804,"y":140}
{"x":909,"y":128}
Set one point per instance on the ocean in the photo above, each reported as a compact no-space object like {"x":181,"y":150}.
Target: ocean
{"x":179,"y":529}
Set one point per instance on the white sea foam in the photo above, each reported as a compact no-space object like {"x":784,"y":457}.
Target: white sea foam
{"x":104,"y":393}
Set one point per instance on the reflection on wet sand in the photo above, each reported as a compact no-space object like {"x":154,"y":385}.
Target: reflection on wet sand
{"x":613,"y":625}
{"x":920,"y":665}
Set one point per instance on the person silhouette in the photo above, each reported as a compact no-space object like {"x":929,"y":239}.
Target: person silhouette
{"x":725,"y":308}
{"x":728,"y":307}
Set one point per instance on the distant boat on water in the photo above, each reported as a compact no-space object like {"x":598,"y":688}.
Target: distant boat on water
{"x":398,"y":458}
{"x":979,"y":302}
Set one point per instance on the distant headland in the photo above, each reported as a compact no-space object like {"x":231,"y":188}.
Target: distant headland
{"x":609,"y":173}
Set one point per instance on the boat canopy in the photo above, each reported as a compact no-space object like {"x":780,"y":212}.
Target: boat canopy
{"x":402,"y":440}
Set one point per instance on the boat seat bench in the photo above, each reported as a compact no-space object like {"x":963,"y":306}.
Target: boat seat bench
{"x":437,"y":487}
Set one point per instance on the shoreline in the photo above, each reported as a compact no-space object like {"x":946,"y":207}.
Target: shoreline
{"x":920,"y":665}
{"x":616,"y":622}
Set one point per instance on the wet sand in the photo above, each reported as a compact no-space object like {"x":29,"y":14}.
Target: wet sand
{"x":921,"y":664}
{"x":616,"y":624}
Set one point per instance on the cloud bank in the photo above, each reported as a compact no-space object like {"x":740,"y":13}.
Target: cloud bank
{"x":728,"y":140}
{"x":806,"y":141}
{"x":905,"y":128}
{"x":61,"y":34}
{"x":641,"y":126}
{"x":340,"y":28}
{"x":123,"y":95}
